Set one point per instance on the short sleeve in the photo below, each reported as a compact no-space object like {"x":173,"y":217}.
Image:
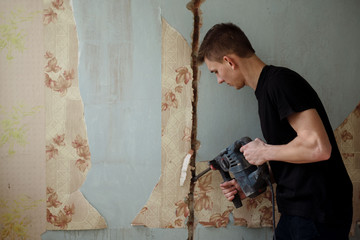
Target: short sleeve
{"x":291,"y":93}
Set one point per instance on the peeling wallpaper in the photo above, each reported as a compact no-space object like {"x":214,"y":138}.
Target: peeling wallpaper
{"x":44,"y":149}
{"x":166,"y":207}
{"x":119,"y":81}
{"x":68,"y":156}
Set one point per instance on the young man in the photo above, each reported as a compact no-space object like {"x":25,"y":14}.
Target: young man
{"x":314,"y":191}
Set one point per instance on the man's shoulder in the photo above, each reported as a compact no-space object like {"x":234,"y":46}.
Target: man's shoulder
{"x":279,"y":72}
{"x":277,"y":79}
{"x":283,"y":76}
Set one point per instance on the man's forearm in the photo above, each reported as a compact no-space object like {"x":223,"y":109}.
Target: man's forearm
{"x":304,"y":149}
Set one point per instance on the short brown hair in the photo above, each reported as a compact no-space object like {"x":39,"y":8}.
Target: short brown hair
{"x":222,"y":39}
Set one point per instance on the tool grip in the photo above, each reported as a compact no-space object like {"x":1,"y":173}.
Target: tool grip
{"x":237,"y":200}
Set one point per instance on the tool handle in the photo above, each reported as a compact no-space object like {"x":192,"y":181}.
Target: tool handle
{"x":237,"y":200}
{"x":239,"y":143}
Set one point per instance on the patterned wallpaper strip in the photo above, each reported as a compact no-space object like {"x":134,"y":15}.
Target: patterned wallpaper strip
{"x":162,"y":209}
{"x":68,"y":157}
{"x":348,"y":139}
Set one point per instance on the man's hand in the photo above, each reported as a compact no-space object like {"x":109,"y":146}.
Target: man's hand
{"x":230,"y":188}
{"x":253,"y":152}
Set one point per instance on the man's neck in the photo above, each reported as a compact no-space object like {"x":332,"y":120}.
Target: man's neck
{"x":251,"y":68}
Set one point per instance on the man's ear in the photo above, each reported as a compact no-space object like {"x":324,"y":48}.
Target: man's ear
{"x":230,"y":61}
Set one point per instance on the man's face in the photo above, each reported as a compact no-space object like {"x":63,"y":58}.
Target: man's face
{"x":225,"y":73}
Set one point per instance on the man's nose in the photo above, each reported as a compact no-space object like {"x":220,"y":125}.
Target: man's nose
{"x":220,"y":80}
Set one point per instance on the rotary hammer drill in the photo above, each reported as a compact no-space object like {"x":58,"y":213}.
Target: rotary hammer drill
{"x":252,"y":179}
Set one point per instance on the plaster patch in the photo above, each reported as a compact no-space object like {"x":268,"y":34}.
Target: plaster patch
{"x":185,"y":167}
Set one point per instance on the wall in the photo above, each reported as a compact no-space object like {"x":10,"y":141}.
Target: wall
{"x":119,"y":74}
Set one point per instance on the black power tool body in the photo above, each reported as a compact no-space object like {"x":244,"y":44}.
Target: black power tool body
{"x":252,"y":179}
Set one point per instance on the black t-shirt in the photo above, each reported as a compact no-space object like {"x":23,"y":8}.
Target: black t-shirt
{"x":320,"y":190}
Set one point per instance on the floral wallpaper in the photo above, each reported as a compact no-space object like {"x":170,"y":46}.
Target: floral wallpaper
{"x":22,"y":121}
{"x":12,"y":34}
{"x":168,"y":199}
{"x":13,"y":127}
{"x":68,"y":157}
{"x":348,"y":139}
{"x":41,"y":122}
{"x":48,"y":131}
{"x":16,"y":218}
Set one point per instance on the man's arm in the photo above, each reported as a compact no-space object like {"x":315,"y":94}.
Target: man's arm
{"x":311,"y":144}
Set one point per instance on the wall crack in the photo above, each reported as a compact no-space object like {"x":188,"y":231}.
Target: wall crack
{"x":194,"y":7}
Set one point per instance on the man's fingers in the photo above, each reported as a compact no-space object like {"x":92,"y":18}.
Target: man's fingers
{"x":230,"y":196}
{"x":228,"y":184}
{"x":228,"y":190}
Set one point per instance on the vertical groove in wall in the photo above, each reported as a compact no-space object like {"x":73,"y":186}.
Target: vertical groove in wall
{"x":194,"y":6}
